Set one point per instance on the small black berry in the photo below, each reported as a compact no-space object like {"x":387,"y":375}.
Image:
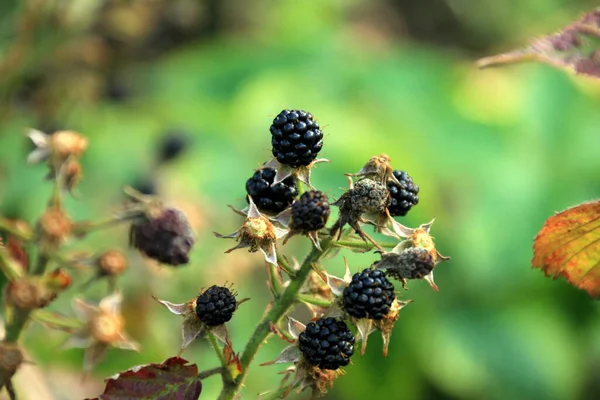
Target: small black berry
{"x":172,"y":144}
{"x":310,"y":212}
{"x":296,"y":138}
{"x":268,"y":197}
{"x":327,"y":343}
{"x":369,"y":295}
{"x":215,"y":306}
{"x":404,"y":196}
{"x":166,"y":238}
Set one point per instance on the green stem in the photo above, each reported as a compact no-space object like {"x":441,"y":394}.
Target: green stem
{"x":359,"y":244}
{"x":280,"y":307}
{"x":209,"y":373}
{"x":314,"y":300}
{"x":22,"y":233}
{"x":285,"y":265}
{"x":225,"y":372}
{"x":275,"y":282}
{"x":16,"y":324}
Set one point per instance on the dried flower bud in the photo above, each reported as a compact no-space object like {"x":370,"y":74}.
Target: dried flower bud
{"x":58,"y":280}
{"x":55,"y":225}
{"x":67,"y":143}
{"x":106,"y":327}
{"x":111,"y":263}
{"x":378,"y":168}
{"x":28,"y":293}
{"x":72,"y":173}
{"x":257,"y":232}
{"x":11,"y":358}
{"x":164,"y":235}
{"x":366,"y":197}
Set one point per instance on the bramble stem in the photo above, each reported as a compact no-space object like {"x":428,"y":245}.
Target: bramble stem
{"x":280,"y":307}
{"x":314,"y":300}
{"x":210,"y":372}
{"x":362,"y":245}
{"x":225,"y":373}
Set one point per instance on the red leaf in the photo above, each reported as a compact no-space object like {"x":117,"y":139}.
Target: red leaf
{"x":569,"y":245}
{"x":576,"y":47}
{"x":172,"y":379}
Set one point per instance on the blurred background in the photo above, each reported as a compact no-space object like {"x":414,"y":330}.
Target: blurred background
{"x":495,"y":153}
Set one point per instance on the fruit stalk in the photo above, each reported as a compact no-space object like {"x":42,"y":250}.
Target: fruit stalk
{"x":280,"y":307}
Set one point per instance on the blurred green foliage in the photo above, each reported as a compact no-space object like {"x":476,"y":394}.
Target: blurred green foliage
{"x":495,"y":153}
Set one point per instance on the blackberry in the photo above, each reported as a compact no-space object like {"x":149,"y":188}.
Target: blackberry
{"x":215,"y":306}
{"x":296,"y":138}
{"x":369,"y":295}
{"x":171,"y":145}
{"x":404,"y":196}
{"x":310,"y":212}
{"x":166,"y":238}
{"x":269,"y":197}
{"x":327,"y":343}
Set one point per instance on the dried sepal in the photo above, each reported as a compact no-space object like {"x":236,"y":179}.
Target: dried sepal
{"x":11,"y":358}
{"x":378,"y":168}
{"x":257,"y":233}
{"x":192,"y":326}
{"x":103,"y":327}
{"x":302,"y":173}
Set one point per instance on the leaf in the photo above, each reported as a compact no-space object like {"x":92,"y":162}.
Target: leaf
{"x":172,"y":379}
{"x":569,"y":245}
{"x":575,"y":47}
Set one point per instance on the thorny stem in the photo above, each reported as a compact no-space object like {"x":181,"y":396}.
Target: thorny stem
{"x":210,"y":372}
{"x":225,"y":373}
{"x":314,"y":300}
{"x":280,"y":307}
{"x":366,"y":246}
{"x":285,"y":265}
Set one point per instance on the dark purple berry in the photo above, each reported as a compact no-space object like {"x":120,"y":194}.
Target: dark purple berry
{"x":296,"y":138}
{"x":268,"y":197}
{"x":310,"y":212}
{"x":215,"y":306}
{"x":403,"y":196}
{"x":327,"y":343}
{"x":369,"y":295}
{"x":166,"y":238}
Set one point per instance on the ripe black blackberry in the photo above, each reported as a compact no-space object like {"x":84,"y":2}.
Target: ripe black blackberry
{"x":403,"y":196}
{"x":215,"y":306}
{"x":327,"y":343}
{"x":296,"y":138}
{"x":166,"y":238}
{"x":268,"y":197}
{"x":310,"y":212}
{"x":369,"y":295}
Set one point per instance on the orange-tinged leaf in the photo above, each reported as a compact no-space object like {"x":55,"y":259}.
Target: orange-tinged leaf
{"x":569,"y":245}
{"x":575,"y":47}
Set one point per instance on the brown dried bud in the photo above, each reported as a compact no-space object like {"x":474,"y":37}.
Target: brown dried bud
{"x":73,"y":173}
{"x":11,"y":358}
{"x":28,"y":293}
{"x":67,"y":143}
{"x":378,"y":168}
{"x":257,"y":232}
{"x":55,"y":225}
{"x":106,"y":327}
{"x":112,"y":263}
